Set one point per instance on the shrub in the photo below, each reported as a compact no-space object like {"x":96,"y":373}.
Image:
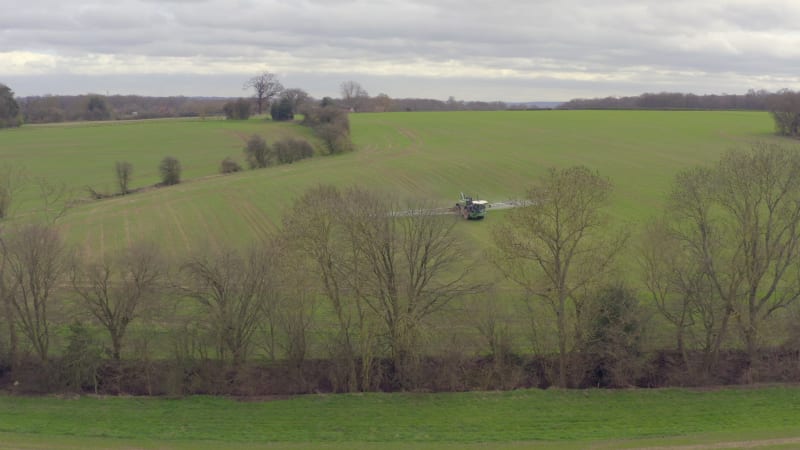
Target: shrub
{"x":9,"y":108}
{"x":237,"y":110}
{"x":290,"y":150}
{"x":82,"y":359}
{"x":124,"y":171}
{"x":228,"y":165}
{"x":282,"y":110}
{"x":614,"y":336}
{"x":257,"y":152}
{"x":170,"y":169}
{"x":332,"y":125}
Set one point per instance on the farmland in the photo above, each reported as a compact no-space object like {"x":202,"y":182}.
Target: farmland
{"x":420,"y":156}
{"x":518,"y":419}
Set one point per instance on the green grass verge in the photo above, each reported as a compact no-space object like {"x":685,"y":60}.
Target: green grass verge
{"x":569,"y":419}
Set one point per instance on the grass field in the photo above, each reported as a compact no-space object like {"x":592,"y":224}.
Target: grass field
{"x":427,"y":156}
{"x":518,"y":419}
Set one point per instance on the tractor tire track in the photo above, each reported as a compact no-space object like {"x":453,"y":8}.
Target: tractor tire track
{"x":735,"y":444}
{"x":252,"y":216}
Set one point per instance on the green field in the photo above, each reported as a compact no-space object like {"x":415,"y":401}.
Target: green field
{"x":518,"y":419}
{"x":420,"y":156}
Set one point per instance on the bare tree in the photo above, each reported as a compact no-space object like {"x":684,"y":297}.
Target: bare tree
{"x":739,"y":226}
{"x":34,"y":259}
{"x":353,"y":95}
{"x":56,"y":200}
{"x":382,"y":102}
{"x":672,"y":280}
{"x":314,"y":228}
{"x":233,"y":290}
{"x":124,"y":171}
{"x":557,"y":245}
{"x":8,"y":308}
{"x":116,"y":289}
{"x":11,"y":179}
{"x":411,"y":268}
{"x":265,"y":87}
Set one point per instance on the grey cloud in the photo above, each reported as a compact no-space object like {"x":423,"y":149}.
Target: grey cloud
{"x":733,"y":40}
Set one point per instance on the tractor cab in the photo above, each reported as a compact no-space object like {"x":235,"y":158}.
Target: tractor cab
{"x":471,"y":209}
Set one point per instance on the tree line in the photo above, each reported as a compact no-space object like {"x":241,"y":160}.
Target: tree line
{"x":269,"y":96}
{"x":753,"y":100}
{"x":351,"y":295}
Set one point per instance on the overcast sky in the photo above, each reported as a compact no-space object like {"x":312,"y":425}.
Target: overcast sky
{"x":474,"y":50}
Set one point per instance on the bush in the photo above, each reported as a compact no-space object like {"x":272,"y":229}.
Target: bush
{"x":785,"y":109}
{"x":82,"y":359}
{"x":170,"y":169}
{"x":290,"y":150}
{"x":9,"y":108}
{"x":257,"y":152}
{"x":614,"y":335}
{"x":237,"y":110}
{"x":282,"y":110}
{"x":228,"y":165}
{"x":124,"y":171}
{"x":332,"y":125}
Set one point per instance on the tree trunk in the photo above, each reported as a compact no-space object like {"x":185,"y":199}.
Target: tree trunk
{"x":716,"y":342}
{"x":681,"y":347}
{"x":13,"y":339}
{"x":116,"y":346}
{"x":751,"y":343}
{"x":562,"y":348}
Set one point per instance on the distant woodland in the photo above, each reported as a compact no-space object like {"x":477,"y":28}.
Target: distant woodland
{"x":753,"y":100}
{"x":269,"y":96}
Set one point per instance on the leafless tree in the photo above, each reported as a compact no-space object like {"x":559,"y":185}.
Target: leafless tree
{"x":35,"y":263}
{"x":313,"y":226}
{"x":265,"y":87}
{"x":124,"y":171}
{"x":353,"y":95}
{"x":382,"y":102}
{"x":741,"y":220}
{"x":8,"y":308}
{"x":233,"y":291}
{"x":672,"y":280}
{"x":56,"y":200}
{"x":411,"y":268}
{"x":11,"y":178}
{"x":558,"y":245}
{"x":117,"y":288}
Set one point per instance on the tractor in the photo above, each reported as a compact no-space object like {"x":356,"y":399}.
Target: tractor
{"x":471,"y":209}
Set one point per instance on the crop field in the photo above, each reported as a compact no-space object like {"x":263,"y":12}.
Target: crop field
{"x":767,"y":416}
{"x":426,"y":157}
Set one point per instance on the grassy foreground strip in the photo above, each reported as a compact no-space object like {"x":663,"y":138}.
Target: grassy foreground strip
{"x":565,"y":418}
